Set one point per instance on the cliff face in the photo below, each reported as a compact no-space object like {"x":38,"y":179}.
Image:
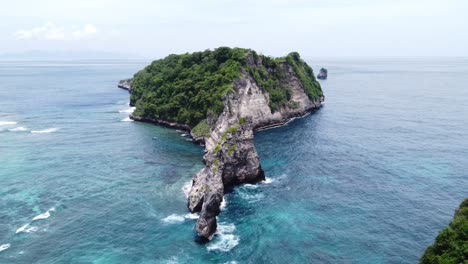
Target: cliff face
{"x":230,"y":156}
{"x":223,"y":96}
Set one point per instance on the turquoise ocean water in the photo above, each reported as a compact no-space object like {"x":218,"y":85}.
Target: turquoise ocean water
{"x":372,"y":177}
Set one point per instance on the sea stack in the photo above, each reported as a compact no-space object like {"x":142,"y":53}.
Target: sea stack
{"x":323,"y":74}
{"x":223,"y":96}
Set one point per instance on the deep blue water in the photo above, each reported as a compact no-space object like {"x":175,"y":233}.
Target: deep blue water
{"x":372,"y":177}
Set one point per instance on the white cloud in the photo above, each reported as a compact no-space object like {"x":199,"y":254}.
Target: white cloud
{"x":50,"y":31}
{"x":88,"y":31}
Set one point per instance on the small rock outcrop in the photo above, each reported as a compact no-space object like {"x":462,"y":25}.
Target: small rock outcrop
{"x":257,"y":92}
{"x":126,"y":85}
{"x":323,"y":74}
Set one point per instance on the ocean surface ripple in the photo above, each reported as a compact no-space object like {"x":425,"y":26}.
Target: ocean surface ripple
{"x":370,"y":178}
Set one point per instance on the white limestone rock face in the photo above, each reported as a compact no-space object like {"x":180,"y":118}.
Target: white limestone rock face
{"x":230,"y":156}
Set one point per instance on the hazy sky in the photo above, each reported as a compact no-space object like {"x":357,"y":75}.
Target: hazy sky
{"x":321,"y":28}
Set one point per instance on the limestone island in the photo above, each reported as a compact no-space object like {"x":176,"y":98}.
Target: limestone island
{"x":222,"y":96}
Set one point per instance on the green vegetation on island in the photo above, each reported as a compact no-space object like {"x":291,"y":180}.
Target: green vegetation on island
{"x":186,"y":88}
{"x":451,"y":245}
{"x":202,"y":129}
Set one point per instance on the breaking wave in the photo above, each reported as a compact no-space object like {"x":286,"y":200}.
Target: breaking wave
{"x":127,"y":119}
{"x":225,"y":239}
{"x":129,"y":110}
{"x":48,"y":130}
{"x":44,"y":215}
{"x":191,"y":216}
{"x":4,"y":123}
{"x":26,"y":229}
{"x":268,"y":180}
{"x":30,"y":229}
{"x":4,"y":247}
{"x":17,"y":129}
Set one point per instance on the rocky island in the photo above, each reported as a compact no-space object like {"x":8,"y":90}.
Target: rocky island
{"x":222,"y":97}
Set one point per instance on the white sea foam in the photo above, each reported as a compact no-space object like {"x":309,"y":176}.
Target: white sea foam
{"x":183,"y":135}
{"x":251,"y":198}
{"x":224,"y":228}
{"x":4,"y":247}
{"x":17,"y":129}
{"x":31,"y":229}
{"x":173,"y":218}
{"x":186,"y":188}
{"x":21,"y":229}
{"x":268,"y":180}
{"x":44,"y":215}
{"x":26,"y":229}
{"x":250,"y":186}
{"x":48,"y":130}
{"x":192,"y":216}
{"x":127,"y":119}
{"x":225,"y":240}
{"x":4,"y":123}
{"x":129,"y":110}
{"x":224,"y":243}
{"x":223,"y":204}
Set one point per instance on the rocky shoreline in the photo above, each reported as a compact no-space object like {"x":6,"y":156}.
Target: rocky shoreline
{"x":160,"y":122}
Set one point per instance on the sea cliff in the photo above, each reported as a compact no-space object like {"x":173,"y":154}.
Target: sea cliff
{"x":238,"y":92}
